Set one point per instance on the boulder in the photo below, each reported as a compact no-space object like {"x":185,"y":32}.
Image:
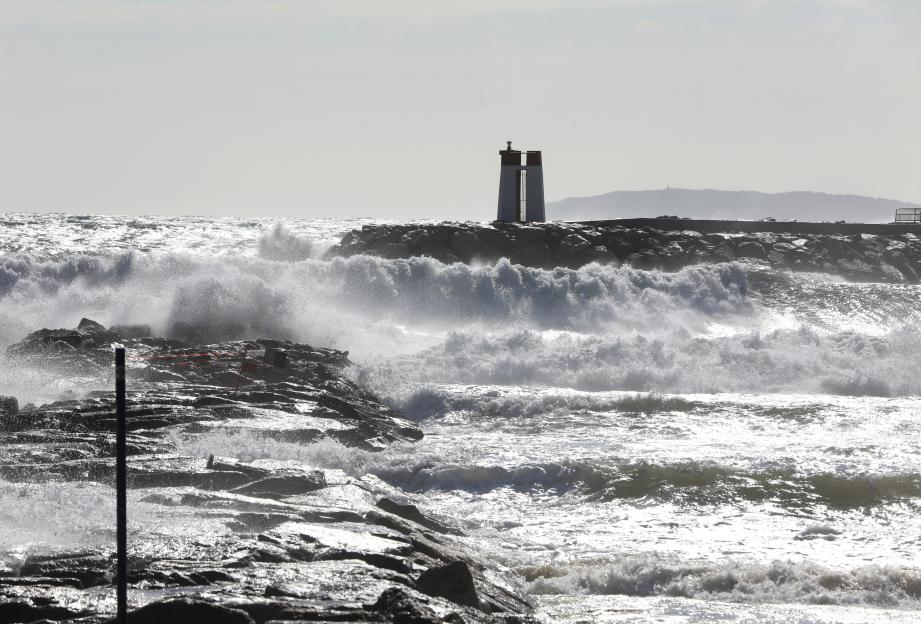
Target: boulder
{"x":535,"y":254}
{"x":132,"y":331}
{"x":88,"y":335}
{"x":396,"y":605}
{"x":571,"y":246}
{"x":593,"y":254}
{"x":187,"y":611}
{"x":21,"y":611}
{"x":9,"y":406}
{"x":453,"y":582}
{"x":645,"y":259}
{"x":412,"y":513}
{"x":88,"y":326}
{"x":464,"y":243}
{"x":281,"y":486}
{"x":750,"y":249}
{"x":48,"y":338}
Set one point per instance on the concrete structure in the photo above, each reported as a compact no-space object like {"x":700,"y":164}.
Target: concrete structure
{"x":521,"y":186}
{"x":908,"y":215}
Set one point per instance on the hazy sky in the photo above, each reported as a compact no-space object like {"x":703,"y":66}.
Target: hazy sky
{"x":397,"y":109}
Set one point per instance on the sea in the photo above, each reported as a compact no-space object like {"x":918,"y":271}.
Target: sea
{"x":724,"y":443}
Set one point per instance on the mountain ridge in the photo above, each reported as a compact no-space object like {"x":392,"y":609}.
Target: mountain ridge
{"x":721,"y":204}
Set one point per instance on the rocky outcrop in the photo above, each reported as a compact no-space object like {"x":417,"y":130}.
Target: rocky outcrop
{"x":218,"y":538}
{"x":884,"y":257}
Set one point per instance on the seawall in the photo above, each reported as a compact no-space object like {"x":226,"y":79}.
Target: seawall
{"x":860,"y":252}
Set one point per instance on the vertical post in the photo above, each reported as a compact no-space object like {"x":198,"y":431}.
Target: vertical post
{"x":240,"y":374}
{"x":121,"y":486}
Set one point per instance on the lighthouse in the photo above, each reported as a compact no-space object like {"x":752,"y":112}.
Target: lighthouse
{"x":521,"y":186}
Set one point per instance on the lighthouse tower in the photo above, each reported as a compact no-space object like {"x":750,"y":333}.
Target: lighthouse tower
{"x":521,"y":186}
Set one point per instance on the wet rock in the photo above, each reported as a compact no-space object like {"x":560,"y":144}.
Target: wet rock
{"x":187,"y":611}
{"x":9,"y":406}
{"x":571,"y":246}
{"x":132,"y":331}
{"x":276,"y":357}
{"x":750,"y":249}
{"x":464,"y":243}
{"x":645,"y":259}
{"x":535,"y":253}
{"x":281,"y":486}
{"x":396,"y":605}
{"x":248,"y":541}
{"x":23,"y":611}
{"x":88,"y":326}
{"x":453,"y":582}
{"x":411,"y":512}
{"x":88,"y":335}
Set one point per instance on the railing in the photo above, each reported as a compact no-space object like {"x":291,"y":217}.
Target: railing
{"x":908,"y":215}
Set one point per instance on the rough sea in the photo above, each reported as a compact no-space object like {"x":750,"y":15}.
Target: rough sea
{"x":723,"y":443}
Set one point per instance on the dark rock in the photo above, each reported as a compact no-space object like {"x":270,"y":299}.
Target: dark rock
{"x":464,"y":243}
{"x":571,"y":246}
{"x":785,"y":247}
{"x":411,"y":512}
{"x":21,"y":611}
{"x":276,"y":357}
{"x":535,"y":254}
{"x":88,"y":326}
{"x":397,"y":606}
{"x":89,"y":335}
{"x":452,"y":581}
{"x":9,"y":406}
{"x":645,"y":259}
{"x":817,"y":248}
{"x":132,"y":331}
{"x":776,"y":258}
{"x":281,"y":486}
{"x":187,"y":611}
{"x":750,"y":249}
{"x":333,"y":542}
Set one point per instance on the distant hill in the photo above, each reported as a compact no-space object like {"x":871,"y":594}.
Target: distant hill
{"x":712,"y":204}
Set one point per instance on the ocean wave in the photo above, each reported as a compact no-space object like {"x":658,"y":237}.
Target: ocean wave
{"x":733,"y":581}
{"x":596,"y":328}
{"x":281,"y":244}
{"x":783,"y":360}
{"x":433,"y":402}
{"x":690,"y":483}
{"x":239,"y":297}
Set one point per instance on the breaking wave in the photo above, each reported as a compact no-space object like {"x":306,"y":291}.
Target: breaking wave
{"x":436,"y":402}
{"x":238,"y":296}
{"x":281,"y":244}
{"x":595,"y":328}
{"x":687,"y":483}
{"x":783,"y":360}
{"x":780,"y":581}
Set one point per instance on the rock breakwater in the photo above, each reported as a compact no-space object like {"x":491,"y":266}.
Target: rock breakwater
{"x":893,"y":257}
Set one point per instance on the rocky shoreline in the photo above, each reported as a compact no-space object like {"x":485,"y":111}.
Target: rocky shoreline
{"x":239,"y":541}
{"x":890,"y":256}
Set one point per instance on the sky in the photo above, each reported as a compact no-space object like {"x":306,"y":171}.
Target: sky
{"x":397,"y":109}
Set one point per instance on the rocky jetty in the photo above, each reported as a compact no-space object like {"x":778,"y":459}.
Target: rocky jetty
{"x":882,"y":257}
{"x":219,"y":539}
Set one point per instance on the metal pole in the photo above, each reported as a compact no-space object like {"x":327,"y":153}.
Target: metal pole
{"x":121,"y":486}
